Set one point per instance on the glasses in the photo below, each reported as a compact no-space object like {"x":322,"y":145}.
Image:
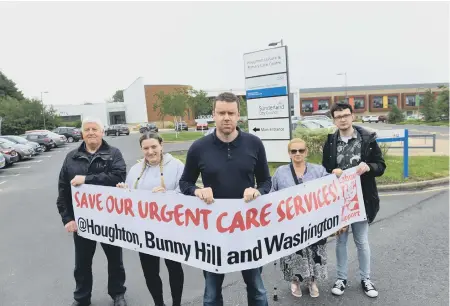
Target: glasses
{"x":301,"y":151}
{"x":346,"y":116}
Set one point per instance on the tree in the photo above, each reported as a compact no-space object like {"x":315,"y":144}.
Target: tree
{"x":243,"y":107}
{"x":8,"y":88}
{"x":118,"y":96}
{"x":395,"y":115}
{"x":173,"y":103}
{"x":428,"y":107}
{"x":442,"y":102}
{"x":199,"y":103}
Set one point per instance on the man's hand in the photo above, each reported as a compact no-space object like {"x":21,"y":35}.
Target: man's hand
{"x":78,"y":180}
{"x":205,"y":194}
{"x":122,"y":185}
{"x":362,"y":168}
{"x":342,"y":230}
{"x":251,"y":194}
{"x":159,"y":189}
{"x":337,"y":172}
{"x":71,"y":226}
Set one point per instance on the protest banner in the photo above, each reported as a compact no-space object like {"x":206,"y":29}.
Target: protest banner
{"x":226,"y":236}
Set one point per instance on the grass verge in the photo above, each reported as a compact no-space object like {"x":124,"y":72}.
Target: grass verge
{"x":182,"y":136}
{"x":421,"y":168}
{"x":418,"y":122}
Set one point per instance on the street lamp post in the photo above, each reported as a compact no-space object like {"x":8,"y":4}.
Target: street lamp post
{"x":273,"y":44}
{"x":344,"y":74}
{"x":43,"y":107}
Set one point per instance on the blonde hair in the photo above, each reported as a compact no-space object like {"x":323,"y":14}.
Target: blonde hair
{"x":296,"y":140}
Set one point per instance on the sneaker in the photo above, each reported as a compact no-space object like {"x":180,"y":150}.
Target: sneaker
{"x":369,"y":288}
{"x":313,"y":290}
{"x":295,"y":289}
{"x":339,"y":287}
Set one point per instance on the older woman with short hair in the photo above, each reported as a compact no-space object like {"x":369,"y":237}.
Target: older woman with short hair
{"x":309,"y":264}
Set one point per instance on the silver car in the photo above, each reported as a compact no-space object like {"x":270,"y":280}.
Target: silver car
{"x":17,"y":139}
{"x":24,"y":151}
{"x":2,"y":161}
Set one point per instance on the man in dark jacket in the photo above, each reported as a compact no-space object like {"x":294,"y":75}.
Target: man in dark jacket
{"x":96,"y":163}
{"x":353,"y":146}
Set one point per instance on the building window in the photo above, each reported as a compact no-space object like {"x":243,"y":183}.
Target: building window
{"x":419,"y":99}
{"x":377,"y":102}
{"x":392,"y":100}
{"x":410,"y":101}
{"x":359,"y":103}
{"x":323,"y":104}
{"x":307,"y":106}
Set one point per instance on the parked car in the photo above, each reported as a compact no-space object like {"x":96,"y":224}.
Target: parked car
{"x":181,"y":126}
{"x":370,"y":119}
{"x":24,"y":151}
{"x":10,"y":154}
{"x":148,"y":127}
{"x":307,"y":124}
{"x":117,"y":129}
{"x":72,"y":134}
{"x":202,"y":125}
{"x":42,"y":139}
{"x":17,"y":139}
{"x":2,"y":161}
{"x":317,"y":117}
{"x":382,"y":118}
{"x":58,"y":140}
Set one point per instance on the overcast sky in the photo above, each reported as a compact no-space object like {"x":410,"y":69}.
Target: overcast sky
{"x":83,"y":52}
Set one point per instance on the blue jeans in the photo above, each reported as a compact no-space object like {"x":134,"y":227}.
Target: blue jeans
{"x":360,"y":236}
{"x":256,"y":293}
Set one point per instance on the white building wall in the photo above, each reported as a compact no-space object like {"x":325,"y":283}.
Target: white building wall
{"x":135,"y":103}
{"x":97,"y":110}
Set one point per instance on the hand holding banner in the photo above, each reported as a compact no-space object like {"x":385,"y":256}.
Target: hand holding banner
{"x":226,"y":236}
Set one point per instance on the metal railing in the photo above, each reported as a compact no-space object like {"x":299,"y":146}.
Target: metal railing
{"x":425,"y":136}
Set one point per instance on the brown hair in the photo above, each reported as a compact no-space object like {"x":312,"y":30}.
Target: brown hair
{"x":226,"y":97}
{"x":145,"y":136}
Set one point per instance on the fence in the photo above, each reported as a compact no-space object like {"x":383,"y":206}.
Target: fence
{"x":397,"y":136}
{"x":425,"y":136}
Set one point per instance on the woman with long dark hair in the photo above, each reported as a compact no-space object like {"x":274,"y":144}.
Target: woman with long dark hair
{"x":158,"y":172}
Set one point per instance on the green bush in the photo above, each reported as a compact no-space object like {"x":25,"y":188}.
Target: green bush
{"x":395,"y":115}
{"x":243,"y":125}
{"x":314,"y":138}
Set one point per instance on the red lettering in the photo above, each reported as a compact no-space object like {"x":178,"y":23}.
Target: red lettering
{"x":280,"y":211}
{"x":289,"y":208}
{"x":250,"y":218}
{"x":264,"y":214}
{"x":143,"y":213}
{"x":320,"y":202}
{"x":219,"y":226}
{"x":76,"y":198}
{"x":325,"y":190}
{"x":110,"y":204}
{"x":309,"y":201}
{"x":238,"y":222}
{"x":154,"y":211}
{"x":298,"y":204}
{"x":164,"y":214}
{"x":205,"y":213}
{"x":97,"y":200}
{"x":84,"y":202}
{"x":178,"y":214}
{"x":195,"y":218}
{"x":129,"y":207}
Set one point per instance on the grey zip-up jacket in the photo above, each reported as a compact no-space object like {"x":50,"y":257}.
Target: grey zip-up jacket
{"x":151,"y":178}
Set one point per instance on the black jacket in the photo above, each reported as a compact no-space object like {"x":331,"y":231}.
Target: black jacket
{"x":370,"y":154}
{"x":106,"y":168}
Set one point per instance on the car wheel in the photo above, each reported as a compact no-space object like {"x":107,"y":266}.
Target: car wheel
{"x":70,"y":139}
{"x":43,"y":147}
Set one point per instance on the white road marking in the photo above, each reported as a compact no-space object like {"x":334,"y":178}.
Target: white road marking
{"x":31,"y":161}
{"x":9,"y":175}
{"x":413,"y":192}
{"x":16,"y":168}
{"x":2,"y":182}
{"x":48,"y":156}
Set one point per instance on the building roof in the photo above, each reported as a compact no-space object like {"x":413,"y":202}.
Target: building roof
{"x":371,"y":87}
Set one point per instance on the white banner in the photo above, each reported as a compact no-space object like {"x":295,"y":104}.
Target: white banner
{"x":226,"y":236}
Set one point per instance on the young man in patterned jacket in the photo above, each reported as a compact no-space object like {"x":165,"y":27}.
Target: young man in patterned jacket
{"x":348,"y":147}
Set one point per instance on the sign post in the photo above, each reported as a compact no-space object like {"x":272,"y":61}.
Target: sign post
{"x":267,"y":94}
{"x":395,"y":136}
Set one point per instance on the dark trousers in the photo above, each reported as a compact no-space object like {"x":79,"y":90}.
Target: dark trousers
{"x":84,"y":252}
{"x":150,"y":267}
{"x":256,"y":293}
